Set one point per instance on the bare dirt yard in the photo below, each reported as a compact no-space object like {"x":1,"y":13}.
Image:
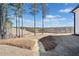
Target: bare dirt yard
{"x":7,"y":50}
{"x":27,"y":46}
{"x":67,"y":45}
{"x":19,"y":47}
{"x":30,"y":45}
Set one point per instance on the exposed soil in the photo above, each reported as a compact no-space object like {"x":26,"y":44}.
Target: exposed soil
{"x":67,"y":45}
{"x":48,"y":42}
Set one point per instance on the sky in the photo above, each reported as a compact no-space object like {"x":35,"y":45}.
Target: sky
{"x":58,"y":15}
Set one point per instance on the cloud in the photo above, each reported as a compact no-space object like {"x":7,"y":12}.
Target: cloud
{"x":66,"y":10}
{"x":49,"y":21}
{"x":53,"y":18}
{"x":65,"y":4}
{"x":57,"y":21}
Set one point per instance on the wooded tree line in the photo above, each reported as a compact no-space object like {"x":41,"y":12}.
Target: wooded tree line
{"x":18,"y":11}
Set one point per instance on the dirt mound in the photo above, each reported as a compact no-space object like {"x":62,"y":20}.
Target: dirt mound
{"x":48,"y":42}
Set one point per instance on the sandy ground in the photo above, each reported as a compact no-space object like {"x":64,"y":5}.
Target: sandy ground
{"x":16,"y":51}
{"x":30,"y":35}
{"x":18,"y":47}
{"x":6,"y":50}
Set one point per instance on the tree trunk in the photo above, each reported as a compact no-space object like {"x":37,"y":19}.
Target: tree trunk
{"x":4,"y":8}
{"x":22,"y":27}
{"x":34,"y":26}
{"x":19,"y":26}
{"x":16,"y":25}
{"x":42,"y":25}
{"x":43,"y":16}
